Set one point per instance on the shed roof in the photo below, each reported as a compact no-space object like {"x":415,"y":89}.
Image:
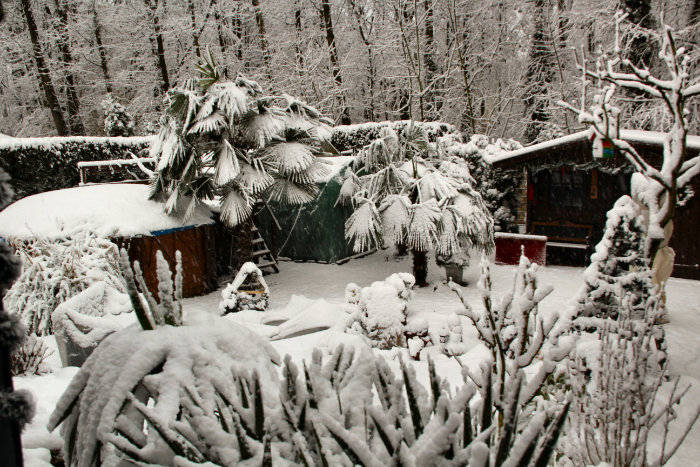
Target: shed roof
{"x":113,"y":210}
{"x":638,"y":138}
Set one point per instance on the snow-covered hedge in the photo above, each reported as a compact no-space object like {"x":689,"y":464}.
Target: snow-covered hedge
{"x":37,"y":165}
{"x":354,"y":137}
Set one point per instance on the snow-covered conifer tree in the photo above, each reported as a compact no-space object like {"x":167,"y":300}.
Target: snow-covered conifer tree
{"x":619,"y":266}
{"x":16,"y":407}
{"x":406,"y":192}
{"x":118,"y":120}
{"x":229,"y":139}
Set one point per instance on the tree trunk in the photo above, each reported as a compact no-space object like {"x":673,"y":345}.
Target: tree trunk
{"x":44,"y":77}
{"x":260,"y":21}
{"x":158,"y":47}
{"x":193,"y":25}
{"x":431,"y":68}
{"x":100,"y":48}
{"x":75,"y":122}
{"x":420,"y":267}
{"x":299,"y":38}
{"x":335,"y":62}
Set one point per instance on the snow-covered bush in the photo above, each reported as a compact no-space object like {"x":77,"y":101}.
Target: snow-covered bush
{"x":118,"y":120}
{"x":381,"y":311}
{"x":349,"y":410}
{"x":616,"y":379}
{"x":28,"y":358}
{"x":248,"y":291}
{"x":518,"y":336}
{"x":497,"y":187}
{"x":151,"y":313}
{"x":354,"y":137}
{"x":619,"y":268}
{"x":136,"y":375}
{"x":54,"y":271}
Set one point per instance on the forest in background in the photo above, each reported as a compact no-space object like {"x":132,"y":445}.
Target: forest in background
{"x":494,"y":67}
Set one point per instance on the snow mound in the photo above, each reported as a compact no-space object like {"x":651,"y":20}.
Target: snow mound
{"x":307,"y":316}
{"x":115,"y":210}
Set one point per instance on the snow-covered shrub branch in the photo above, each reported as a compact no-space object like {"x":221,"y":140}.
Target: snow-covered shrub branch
{"x":656,"y":188}
{"x":617,"y":379}
{"x":28,"y":358}
{"x":517,"y":335}
{"x":167,"y":310}
{"x":54,"y":271}
{"x":349,"y":410}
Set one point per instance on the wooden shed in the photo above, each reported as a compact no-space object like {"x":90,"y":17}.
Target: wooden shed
{"x":568,"y":194}
{"x":123,"y":213}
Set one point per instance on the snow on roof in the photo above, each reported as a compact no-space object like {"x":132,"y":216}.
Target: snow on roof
{"x":654,"y":138}
{"x":53,"y":141}
{"x":114,"y":210}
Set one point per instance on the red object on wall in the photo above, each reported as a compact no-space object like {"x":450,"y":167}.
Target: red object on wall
{"x":509,"y":247}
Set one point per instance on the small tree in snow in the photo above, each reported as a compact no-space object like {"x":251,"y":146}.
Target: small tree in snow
{"x":230,"y":139}
{"x":406,"y":192}
{"x":619,"y":266}
{"x":118,"y":120}
{"x":656,"y":190}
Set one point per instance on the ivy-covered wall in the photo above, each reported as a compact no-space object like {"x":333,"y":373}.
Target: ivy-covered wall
{"x":37,"y":165}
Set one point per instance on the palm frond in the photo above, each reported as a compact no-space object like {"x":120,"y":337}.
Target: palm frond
{"x":233,"y":101}
{"x":253,"y":179}
{"x":350,"y":187}
{"x":436,"y":185}
{"x":227,"y":166}
{"x":236,"y":207}
{"x":262,"y":125}
{"x":291,"y":158}
{"x":210,"y":124}
{"x":363,"y":227}
{"x":422,"y":227}
{"x":287,"y":191}
{"x":395,"y":215}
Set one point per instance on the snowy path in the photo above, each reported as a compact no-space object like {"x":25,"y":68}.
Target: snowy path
{"x":327,"y":282}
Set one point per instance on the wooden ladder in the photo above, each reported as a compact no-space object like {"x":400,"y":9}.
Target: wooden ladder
{"x":262,"y":256}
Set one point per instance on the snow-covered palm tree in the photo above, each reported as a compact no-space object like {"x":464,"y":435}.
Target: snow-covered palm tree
{"x":407,"y":192}
{"x":228,"y":139}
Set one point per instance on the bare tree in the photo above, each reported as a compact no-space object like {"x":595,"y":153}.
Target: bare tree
{"x":655,"y":189}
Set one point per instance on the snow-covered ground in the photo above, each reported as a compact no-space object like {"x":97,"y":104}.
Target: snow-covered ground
{"x":308,"y":296}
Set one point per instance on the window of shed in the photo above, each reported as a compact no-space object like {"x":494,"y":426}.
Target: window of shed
{"x":568,"y":188}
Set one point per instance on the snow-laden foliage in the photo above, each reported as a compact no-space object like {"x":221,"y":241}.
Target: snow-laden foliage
{"x":248,"y":291}
{"x":618,"y":268}
{"x":228,"y":139}
{"x":152,"y":313}
{"x":349,"y":410}
{"x":380,"y":312}
{"x":131,"y":395}
{"x":407,"y":191}
{"x":118,"y":120}
{"x":497,"y":187}
{"x":355,"y":137}
{"x":617,"y":379}
{"x":518,"y":336}
{"x":54,"y":271}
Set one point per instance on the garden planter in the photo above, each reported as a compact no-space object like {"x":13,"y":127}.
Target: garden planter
{"x":82,"y":322}
{"x":455,"y":273}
